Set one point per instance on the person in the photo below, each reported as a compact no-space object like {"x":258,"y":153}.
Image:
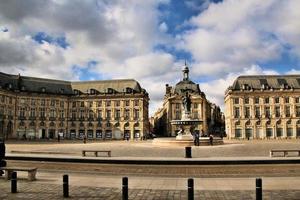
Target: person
{"x":211,"y":138}
{"x":58,"y":137}
{"x":84,"y":139}
{"x":197,"y":139}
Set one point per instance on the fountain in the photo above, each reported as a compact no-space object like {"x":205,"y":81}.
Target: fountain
{"x":186,"y":123}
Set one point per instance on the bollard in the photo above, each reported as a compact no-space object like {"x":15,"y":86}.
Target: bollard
{"x":14,"y":182}
{"x":66,"y":185}
{"x":125,"y":188}
{"x":258,"y":189}
{"x":188,"y":152}
{"x":190,"y":189}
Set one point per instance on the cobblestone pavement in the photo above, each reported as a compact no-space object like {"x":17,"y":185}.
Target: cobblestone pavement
{"x":34,"y":190}
{"x":234,"y":148}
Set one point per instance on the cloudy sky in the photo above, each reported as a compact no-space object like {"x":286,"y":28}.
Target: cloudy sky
{"x":148,"y":40}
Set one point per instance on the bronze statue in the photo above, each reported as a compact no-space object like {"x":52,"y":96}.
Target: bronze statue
{"x":186,"y":101}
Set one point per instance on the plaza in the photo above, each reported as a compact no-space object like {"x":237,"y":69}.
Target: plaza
{"x":103,"y":181}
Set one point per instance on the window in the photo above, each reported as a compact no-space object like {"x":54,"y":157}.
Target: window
{"x":108,"y":114}
{"x":99,"y":114}
{"x":246,"y":100}
{"x":33,"y":102}
{"x":127,"y":114}
{"x":3,"y":99}
{"x":74,"y":114}
{"x":62,"y":114}
{"x":136,"y":103}
{"x":62,"y":104}
{"x":267,"y":100}
{"x":52,"y":102}
{"x":277,"y":111}
{"x":43,"y":102}
{"x":236,"y":100}
{"x":287,"y":100}
{"x":195,"y":115}
{"x":177,"y":114}
{"x":247,"y":112}
{"x":297,"y":111}
{"x":42,"y":112}
{"x":81,"y":114}
{"x":32,"y":112}
{"x":74,"y":104}
{"x":136,"y":114}
{"x":195,"y":105}
{"x":22,"y":112}
{"x":82,"y":104}
{"x":256,"y":100}
{"x":108,"y":103}
{"x":287,"y":111}
{"x":117,"y":114}
{"x":91,"y":114}
{"x":236,"y":112}
{"x":117,"y":103}
{"x":177,"y":105}
{"x":99,"y":103}
{"x":91,"y":104}
{"x":297,"y":99}
{"x":267,"y":111}
{"x":10,"y":100}
{"x":276,"y":99}
{"x":257,"y":111}
{"x":52,"y":113}
{"x":238,"y":133}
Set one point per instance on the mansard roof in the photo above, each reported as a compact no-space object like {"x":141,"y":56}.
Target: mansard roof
{"x":52,"y":86}
{"x":266,"y":82}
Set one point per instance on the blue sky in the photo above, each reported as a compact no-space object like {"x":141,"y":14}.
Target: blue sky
{"x":150,"y":40}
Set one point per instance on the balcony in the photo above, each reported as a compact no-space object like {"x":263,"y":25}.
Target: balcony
{"x":32,"y":118}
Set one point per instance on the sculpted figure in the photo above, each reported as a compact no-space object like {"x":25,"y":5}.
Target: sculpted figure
{"x":186,"y":101}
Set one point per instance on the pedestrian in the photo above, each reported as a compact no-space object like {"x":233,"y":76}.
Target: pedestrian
{"x":197,"y":139}
{"x":84,"y":139}
{"x":211,"y":138}
{"x":58,"y":137}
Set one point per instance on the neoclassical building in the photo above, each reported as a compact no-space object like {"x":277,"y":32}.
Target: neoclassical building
{"x":263,"y":107}
{"x":201,"y":109}
{"x":43,"y":108}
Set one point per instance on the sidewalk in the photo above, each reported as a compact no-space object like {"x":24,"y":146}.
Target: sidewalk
{"x":90,"y":186}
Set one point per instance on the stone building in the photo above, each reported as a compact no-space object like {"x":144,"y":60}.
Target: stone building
{"x":263,"y":107}
{"x":201,"y":109}
{"x":43,"y":108}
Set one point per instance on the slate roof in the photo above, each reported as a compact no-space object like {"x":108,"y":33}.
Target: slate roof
{"x":259,"y":82}
{"x":52,"y":86}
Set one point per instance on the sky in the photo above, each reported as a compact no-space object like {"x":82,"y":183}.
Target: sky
{"x":150,"y":40}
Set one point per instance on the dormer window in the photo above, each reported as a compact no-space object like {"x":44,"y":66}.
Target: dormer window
{"x":128,"y":90}
{"x":10,"y":86}
{"x":23,"y":88}
{"x":76,"y":92}
{"x":110,"y":90}
{"x":43,"y":89}
{"x":62,"y":90}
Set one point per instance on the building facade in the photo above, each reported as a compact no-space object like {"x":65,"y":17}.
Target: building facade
{"x":263,"y":107}
{"x":201,"y":109}
{"x":45,"y":108}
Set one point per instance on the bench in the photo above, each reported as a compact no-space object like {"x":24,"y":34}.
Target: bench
{"x":96,"y":152}
{"x":284,"y":151}
{"x":9,"y":170}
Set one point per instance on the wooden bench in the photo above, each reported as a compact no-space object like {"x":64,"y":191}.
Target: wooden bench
{"x":9,"y":170}
{"x":96,"y":152}
{"x":284,"y":151}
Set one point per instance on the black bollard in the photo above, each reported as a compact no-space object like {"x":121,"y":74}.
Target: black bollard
{"x":14,"y":182}
{"x":190,"y":189}
{"x":188,"y":152}
{"x":125,"y":188}
{"x":66,"y":185}
{"x":258,"y":189}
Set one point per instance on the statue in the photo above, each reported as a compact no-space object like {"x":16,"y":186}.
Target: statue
{"x":186,"y":101}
